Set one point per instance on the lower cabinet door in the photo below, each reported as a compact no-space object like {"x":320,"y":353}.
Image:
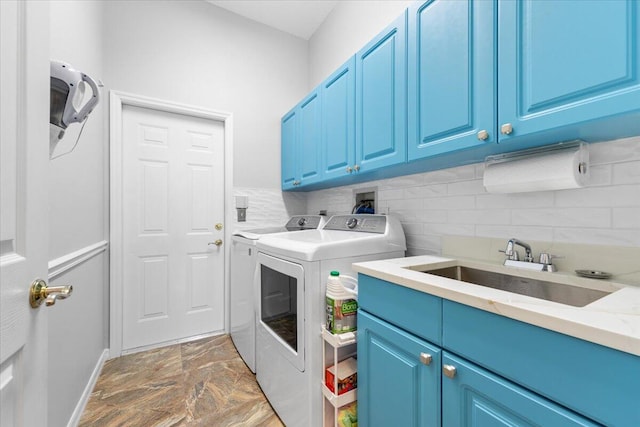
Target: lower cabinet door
{"x":472,"y":396}
{"x":398,"y":376}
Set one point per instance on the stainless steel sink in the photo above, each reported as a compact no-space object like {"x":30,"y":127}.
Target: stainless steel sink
{"x":550,"y":291}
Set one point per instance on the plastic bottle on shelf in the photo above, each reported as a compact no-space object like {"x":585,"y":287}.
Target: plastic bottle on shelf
{"x":341,"y":305}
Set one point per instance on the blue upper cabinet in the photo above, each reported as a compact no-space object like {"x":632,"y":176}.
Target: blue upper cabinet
{"x":568,"y":63}
{"x":288,"y":149}
{"x":451,"y":76}
{"x":338,"y":122}
{"x":381,"y":107}
{"x":301,"y":136}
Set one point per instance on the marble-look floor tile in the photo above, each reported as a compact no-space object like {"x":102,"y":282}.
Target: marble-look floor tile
{"x":200,"y":383}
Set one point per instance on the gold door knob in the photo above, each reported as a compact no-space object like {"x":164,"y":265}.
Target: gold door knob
{"x":217,"y":242}
{"x":39,"y":292}
{"x":218,"y":226}
{"x":506,"y":129}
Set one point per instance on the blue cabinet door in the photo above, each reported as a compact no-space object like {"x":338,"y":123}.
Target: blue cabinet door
{"x":289,"y":131}
{"x":474,"y":397}
{"x":564,"y":63}
{"x":451,"y":76}
{"x":398,"y":376}
{"x":338,"y":122}
{"x":309,"y":137}
{"x":381,"y":108}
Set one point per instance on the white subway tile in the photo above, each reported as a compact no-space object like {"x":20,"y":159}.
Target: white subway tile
{"x":626,"y":173}
{"x":465,"y":187}
{"x":406,"y":204}
{"x":544,"y":234}
{"x":598,"y":236}
{"x":404,"y":215}
{"x":402,"y":182}
{"x":626,"y":218}
{"x":537,"y":199}
{"x":432,"y":216}
{"x":608,"y":196}
{"x":433,"y":190}
{"x":621,"y":150}
{"x":428,"y":242}
{"x":563,"y":217}
{"x":395,"y":194}
{"x":480,"y":216}
{"x":450,"y":229}
{"x":455,"y":202}
{"x":451,"y":175}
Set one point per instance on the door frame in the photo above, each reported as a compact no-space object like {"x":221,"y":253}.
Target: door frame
{"x":117,"y":101}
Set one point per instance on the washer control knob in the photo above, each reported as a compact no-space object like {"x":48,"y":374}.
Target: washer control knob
{"x":302,"y":221}
{"x":352,"y":222}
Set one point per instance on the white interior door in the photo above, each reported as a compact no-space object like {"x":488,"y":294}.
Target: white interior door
{"x":24,"y":161}
{"x":173,"y":197}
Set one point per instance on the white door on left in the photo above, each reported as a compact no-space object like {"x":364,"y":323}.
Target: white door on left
{"x":173,"y":198}
{"x":24,"y":163}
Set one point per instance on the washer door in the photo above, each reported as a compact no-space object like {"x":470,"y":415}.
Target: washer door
{"x":281,"y":306}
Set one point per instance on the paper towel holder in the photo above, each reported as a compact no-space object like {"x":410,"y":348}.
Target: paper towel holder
{"x":575,"y":145}
{"x":496,"y":165}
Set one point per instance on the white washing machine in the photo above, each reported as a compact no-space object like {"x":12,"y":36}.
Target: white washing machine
{"x":291,"y":275}
{"x":242,"y":295}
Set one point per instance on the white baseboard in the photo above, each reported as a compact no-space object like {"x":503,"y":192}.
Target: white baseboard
{"x":86,"y":394}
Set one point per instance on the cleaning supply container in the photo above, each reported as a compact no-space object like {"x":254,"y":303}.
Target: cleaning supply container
{"x":341,"y":303}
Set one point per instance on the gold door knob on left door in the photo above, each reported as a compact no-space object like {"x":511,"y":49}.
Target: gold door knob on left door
{"x":39,"y":292}
{"x":217,"y":242}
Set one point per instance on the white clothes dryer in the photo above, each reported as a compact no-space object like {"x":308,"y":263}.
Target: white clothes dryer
{"x":291,"y":275}
{"x":242,"y":297}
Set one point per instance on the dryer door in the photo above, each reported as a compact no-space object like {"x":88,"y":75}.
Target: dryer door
{"x":281,"y":306}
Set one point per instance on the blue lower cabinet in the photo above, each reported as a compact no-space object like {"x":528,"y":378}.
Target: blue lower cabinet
{"x":398,"y":376}
{"x":474,"y":397}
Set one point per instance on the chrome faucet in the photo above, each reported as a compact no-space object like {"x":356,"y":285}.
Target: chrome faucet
{"x":512,"y":253}
{"x":513,"y":258}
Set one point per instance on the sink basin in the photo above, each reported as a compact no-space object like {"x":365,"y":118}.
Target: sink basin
{"x":550,"y":291}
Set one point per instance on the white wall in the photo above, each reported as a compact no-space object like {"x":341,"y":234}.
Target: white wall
{"x":195,"y":53}
{"x":77,"y":219}
{"x":351,"y":25}
{"x":453,"y":202}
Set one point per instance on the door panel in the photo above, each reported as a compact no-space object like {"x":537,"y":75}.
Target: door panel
{"x":477,"y":398}
{"x":173,"y":177}
{"x":24,"y":168}
{"x":310,"y":139}
{"x":288,"y":128}
{"x":392,"y":375}
{"x":566,"y":63}
{"x":381,"y":109}
{"x":338,"y":117}
{"x":452,"y":93}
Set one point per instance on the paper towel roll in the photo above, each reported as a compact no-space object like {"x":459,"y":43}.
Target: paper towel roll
{"x":556,"y":171}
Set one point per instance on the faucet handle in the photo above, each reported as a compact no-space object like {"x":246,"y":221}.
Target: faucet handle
{"x":545,"y":258}
{"x":511,"y":253}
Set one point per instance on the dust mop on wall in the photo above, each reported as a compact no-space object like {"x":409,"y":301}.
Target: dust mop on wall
{"x":556,"y":167}
{"x":68,"y":104}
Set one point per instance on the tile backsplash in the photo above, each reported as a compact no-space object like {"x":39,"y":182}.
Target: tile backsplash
{"x":267,"y":207}
{"x":453,"y":201}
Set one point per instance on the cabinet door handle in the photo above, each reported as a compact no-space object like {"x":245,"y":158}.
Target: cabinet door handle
{"x":356,"y":168}
{"x":483,"y":135}
{"x":349,"y":169}
{"x":426,"y":358}
{"x":449,"y":371}
{"x":506,"y":129}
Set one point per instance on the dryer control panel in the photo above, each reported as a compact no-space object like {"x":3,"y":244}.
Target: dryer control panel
{"x":304,"y":222}
{"x":362,"y":223}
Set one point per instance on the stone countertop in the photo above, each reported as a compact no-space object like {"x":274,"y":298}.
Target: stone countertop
{"x":612,"y":321}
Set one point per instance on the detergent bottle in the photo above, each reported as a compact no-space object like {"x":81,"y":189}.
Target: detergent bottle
{"x":342,"y":307}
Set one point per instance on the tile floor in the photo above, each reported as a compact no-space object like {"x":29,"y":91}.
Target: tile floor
{"x":200,"y":383}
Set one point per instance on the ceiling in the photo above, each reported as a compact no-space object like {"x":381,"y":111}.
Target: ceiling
{"x":298,"y":17}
